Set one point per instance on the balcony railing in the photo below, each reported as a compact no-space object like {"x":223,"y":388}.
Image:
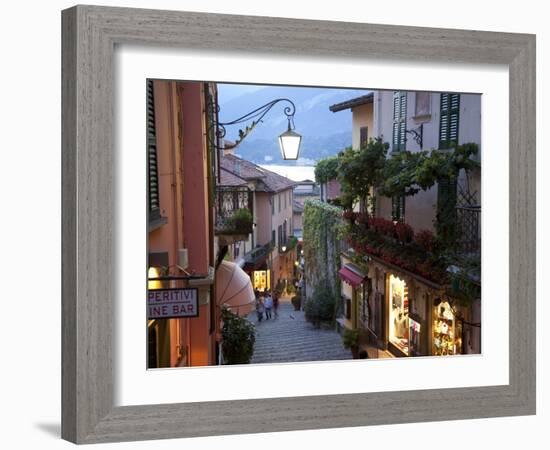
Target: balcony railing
{"x":469,"y":229}
{"x":234,"y":211}
{"x":258,"y":254}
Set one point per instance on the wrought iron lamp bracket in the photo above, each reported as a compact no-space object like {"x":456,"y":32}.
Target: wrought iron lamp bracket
{"x":417,"y":135}
{"x":255,"y":116}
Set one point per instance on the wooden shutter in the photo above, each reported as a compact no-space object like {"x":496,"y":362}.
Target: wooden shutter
{"x":448,"y":122}
{"x":399,"y":120}
{"x":152,"y":166}
{"x":398,"y":207}
{"x":363,"y":136}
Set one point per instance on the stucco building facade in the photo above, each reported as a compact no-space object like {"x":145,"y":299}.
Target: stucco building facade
{"x":397,"y":310}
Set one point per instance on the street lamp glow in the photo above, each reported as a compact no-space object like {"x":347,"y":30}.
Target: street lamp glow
{"x":283,"y":248}
{"x":289,"y":142}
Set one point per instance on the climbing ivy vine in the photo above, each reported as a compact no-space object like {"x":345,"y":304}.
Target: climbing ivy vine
{"x":322,"y":234}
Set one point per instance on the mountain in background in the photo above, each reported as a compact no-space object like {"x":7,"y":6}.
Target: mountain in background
{"x":324,"y":133}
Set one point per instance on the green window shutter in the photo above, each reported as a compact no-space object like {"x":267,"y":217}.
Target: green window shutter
{"x":448,"y":121}
{"x":399,"y":120}
{"x":363,"y":137}
{"x":453,"y":118}
{"x":152,"y":166}
{"x":395,"y":138}
{"x":403,"y":120}
{"x":398,"y":207}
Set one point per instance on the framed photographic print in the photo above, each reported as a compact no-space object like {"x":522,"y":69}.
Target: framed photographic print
{"x":243,"y":211}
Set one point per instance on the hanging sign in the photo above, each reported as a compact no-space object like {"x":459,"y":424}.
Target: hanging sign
{"x":172,"y":303}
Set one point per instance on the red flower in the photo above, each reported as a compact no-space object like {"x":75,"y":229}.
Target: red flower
{"x":425,"y":240}
{"x":349,"y":215}
{"x":363,"y":218}
{"x":404,"y":232}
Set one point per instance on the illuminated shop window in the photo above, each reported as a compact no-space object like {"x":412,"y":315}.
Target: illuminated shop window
{"x":399,"y":314}
{"x":447,"y":331}
{"x":261,"y":280}
{"x":154,"y":272}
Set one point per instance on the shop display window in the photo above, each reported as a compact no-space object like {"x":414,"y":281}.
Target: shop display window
{"x":414,"y":337}
{"x":399,"y":314}
{"x":447,"y":331}
{"x":261,"y":280}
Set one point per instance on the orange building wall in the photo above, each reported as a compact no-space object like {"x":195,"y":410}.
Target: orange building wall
{"x":184,"y":200}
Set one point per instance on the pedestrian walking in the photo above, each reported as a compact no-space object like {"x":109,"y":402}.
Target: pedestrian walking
{"x":276,"y":305}
{"x":268,"y":305}
{"x":260,"y":308}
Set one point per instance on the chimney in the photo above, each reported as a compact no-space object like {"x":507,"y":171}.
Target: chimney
{"x":228,"y":147}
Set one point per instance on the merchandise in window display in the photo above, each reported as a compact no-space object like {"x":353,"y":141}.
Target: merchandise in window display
{"x":414,"y":337}
{"x":447,"y":331}
{"x":399,"y":314}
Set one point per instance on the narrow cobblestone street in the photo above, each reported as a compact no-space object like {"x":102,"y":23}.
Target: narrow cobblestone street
{"x":289,"y":338}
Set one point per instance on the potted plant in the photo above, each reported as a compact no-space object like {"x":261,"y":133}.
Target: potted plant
{"x":320,"y":308}
{"x":241,"y":221}
{"x":350,"y":340}
{"x":238,"y":338}
{"x":291,"y":289}
{"x":296,"y":302}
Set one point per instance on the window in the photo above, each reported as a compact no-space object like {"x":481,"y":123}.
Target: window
{"x":286,"y":199}
{"x":273,"y":237}
{"x":284,"y":231}
{"x":279,"y":202}
{"x":363,"y":136}
{"x":422,"y":104}
{"x":398,"y":208}
{"x":448,"y":122}
{"x":399,"y":121}
{"x":280,"y":236}
{"x":272,"y":204}
{"x":152,"y":166}
{"x":446,"y":206}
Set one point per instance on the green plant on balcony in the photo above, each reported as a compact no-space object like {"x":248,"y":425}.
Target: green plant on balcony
{"x":240,"y":222}
{"x":365,"y":172}
{"x":291,"y":243}
{"x":397,"y":244}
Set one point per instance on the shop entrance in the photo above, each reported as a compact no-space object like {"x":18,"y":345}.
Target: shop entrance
{"x":261,"y":280}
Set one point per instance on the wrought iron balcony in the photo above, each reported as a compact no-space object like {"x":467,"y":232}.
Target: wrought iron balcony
{"x":258,"y":254}
{"x":234,"y":211}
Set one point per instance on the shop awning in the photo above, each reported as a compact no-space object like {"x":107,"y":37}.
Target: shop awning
{"x":351,"y":277}
{"x":234,"y":289}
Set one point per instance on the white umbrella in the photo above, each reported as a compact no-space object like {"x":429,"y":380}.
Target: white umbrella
{"x":234,"y":289}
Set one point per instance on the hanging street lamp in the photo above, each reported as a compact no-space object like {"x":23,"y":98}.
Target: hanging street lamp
{"x":289,"y":140}
{"x":289,"y":143}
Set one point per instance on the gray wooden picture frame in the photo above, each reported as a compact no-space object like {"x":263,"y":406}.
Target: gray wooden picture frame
{"x":90,"y":34}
